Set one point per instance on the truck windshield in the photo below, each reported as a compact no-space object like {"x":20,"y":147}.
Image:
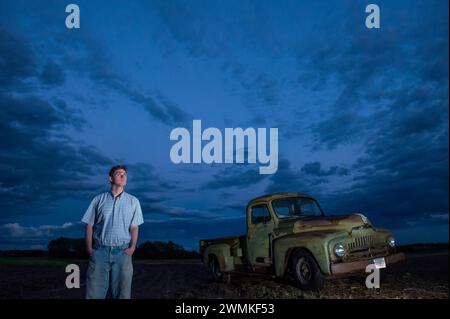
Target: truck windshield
{"x":296,"y":206}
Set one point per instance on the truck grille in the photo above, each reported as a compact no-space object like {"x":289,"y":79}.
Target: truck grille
{"x":365,"y":247}
{"x":363,"y":242}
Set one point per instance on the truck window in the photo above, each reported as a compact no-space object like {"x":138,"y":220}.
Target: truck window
{"x":260,"y":214}
{"x":296,"y":206}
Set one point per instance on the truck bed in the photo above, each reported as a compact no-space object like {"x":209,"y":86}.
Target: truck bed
{"x":235,"y":242}
{"x":230,"y":240}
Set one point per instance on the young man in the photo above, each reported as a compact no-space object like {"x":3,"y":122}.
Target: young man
{"x":112,"y":222}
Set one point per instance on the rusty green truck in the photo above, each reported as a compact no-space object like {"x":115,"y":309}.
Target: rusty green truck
{"x":289,"y":234}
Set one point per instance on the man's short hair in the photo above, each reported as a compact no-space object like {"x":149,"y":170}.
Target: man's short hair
{"x":115,"y":168}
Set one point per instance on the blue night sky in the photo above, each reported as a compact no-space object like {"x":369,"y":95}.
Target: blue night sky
{"x":362,"y":114}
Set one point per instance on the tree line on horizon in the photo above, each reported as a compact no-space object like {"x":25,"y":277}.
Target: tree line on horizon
{"x":64,"y":247}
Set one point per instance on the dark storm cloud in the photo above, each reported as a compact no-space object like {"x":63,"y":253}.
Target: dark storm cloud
{"x":184,"y":25}
{"x":39,"y":164}
{"x":76,"y":51}
{"x":262,"y":87}
{"x":181,"y":213}
{"x":88,"y":57}
{"x":19,"y":63}
{"x":315,"y":168}
{"x":392,"y":99}
{"x":161,"y":109}
{"x":153,"y":190}
{"x":144,"y":176}
{"x":17,"y":60}
{"x":235,"y":176}
{"x":198,"y":28}
{"x":228,"y":206}
{"x":378,"y":69}
{"x":37,"y":168}
{"x":52,"y":74}
{"x":288,"y":179}
{"x":310,"y":176}
{"x":72,"y":116}
{"x":405,"y":168}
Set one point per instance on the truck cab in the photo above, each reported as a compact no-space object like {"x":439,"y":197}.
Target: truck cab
{"x":289,"y":234}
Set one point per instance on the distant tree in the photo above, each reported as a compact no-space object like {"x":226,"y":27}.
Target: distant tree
{"x":161,"y":250}
{"x":75,"y":248}
{"x":67,"y":248}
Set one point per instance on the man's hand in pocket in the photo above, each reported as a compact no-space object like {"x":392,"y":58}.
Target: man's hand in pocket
{"x":130,"y":251}
{"x":90,"y":251}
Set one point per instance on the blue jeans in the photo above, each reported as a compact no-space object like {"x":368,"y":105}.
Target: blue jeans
{"x":109,"y":264}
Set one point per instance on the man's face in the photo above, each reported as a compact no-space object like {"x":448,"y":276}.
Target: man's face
{"x":119,"y":178}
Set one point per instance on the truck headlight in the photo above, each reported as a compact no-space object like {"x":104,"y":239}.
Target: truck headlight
{"x":391,"y":242}
{"x":339,"y":250}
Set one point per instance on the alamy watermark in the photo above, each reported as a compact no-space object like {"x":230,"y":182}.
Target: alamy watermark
{"x":229,"y":148}
{"x":73,"y":19}
{"x":373,"y":279}
{"x":73,"y":279}
{"x":373,"y":19}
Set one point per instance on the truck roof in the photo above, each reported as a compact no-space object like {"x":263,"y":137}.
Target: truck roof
{"x":268,"y":197}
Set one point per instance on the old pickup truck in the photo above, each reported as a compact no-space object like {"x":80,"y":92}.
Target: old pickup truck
{"x":288,"y":234}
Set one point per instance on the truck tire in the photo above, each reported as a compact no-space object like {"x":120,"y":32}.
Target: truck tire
{"x":216,"y":273}
{"x":306,"y":272}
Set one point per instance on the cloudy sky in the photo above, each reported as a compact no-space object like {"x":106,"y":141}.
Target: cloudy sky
{"x":362,"y":114}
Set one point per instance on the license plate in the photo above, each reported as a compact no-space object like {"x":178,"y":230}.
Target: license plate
{"x":379,"y":263}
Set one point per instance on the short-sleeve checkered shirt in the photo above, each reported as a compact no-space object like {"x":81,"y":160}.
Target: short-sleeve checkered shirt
{"x":113,"y":217}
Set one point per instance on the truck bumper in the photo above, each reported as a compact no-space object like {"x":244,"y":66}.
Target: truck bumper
{"x":355,"y":266}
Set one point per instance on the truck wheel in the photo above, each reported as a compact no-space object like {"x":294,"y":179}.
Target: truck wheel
{"x":306,"y":272}
{"x":219,"y":276}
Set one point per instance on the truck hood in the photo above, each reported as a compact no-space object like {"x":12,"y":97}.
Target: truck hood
{"x":341,"y":222}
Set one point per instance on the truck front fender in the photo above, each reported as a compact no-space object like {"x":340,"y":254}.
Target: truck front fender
{"x":314,"y":242}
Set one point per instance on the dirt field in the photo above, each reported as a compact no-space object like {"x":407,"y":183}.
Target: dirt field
{"x":421,"y":276}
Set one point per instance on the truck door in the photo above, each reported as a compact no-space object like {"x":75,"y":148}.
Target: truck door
{"x":259,"y":230}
